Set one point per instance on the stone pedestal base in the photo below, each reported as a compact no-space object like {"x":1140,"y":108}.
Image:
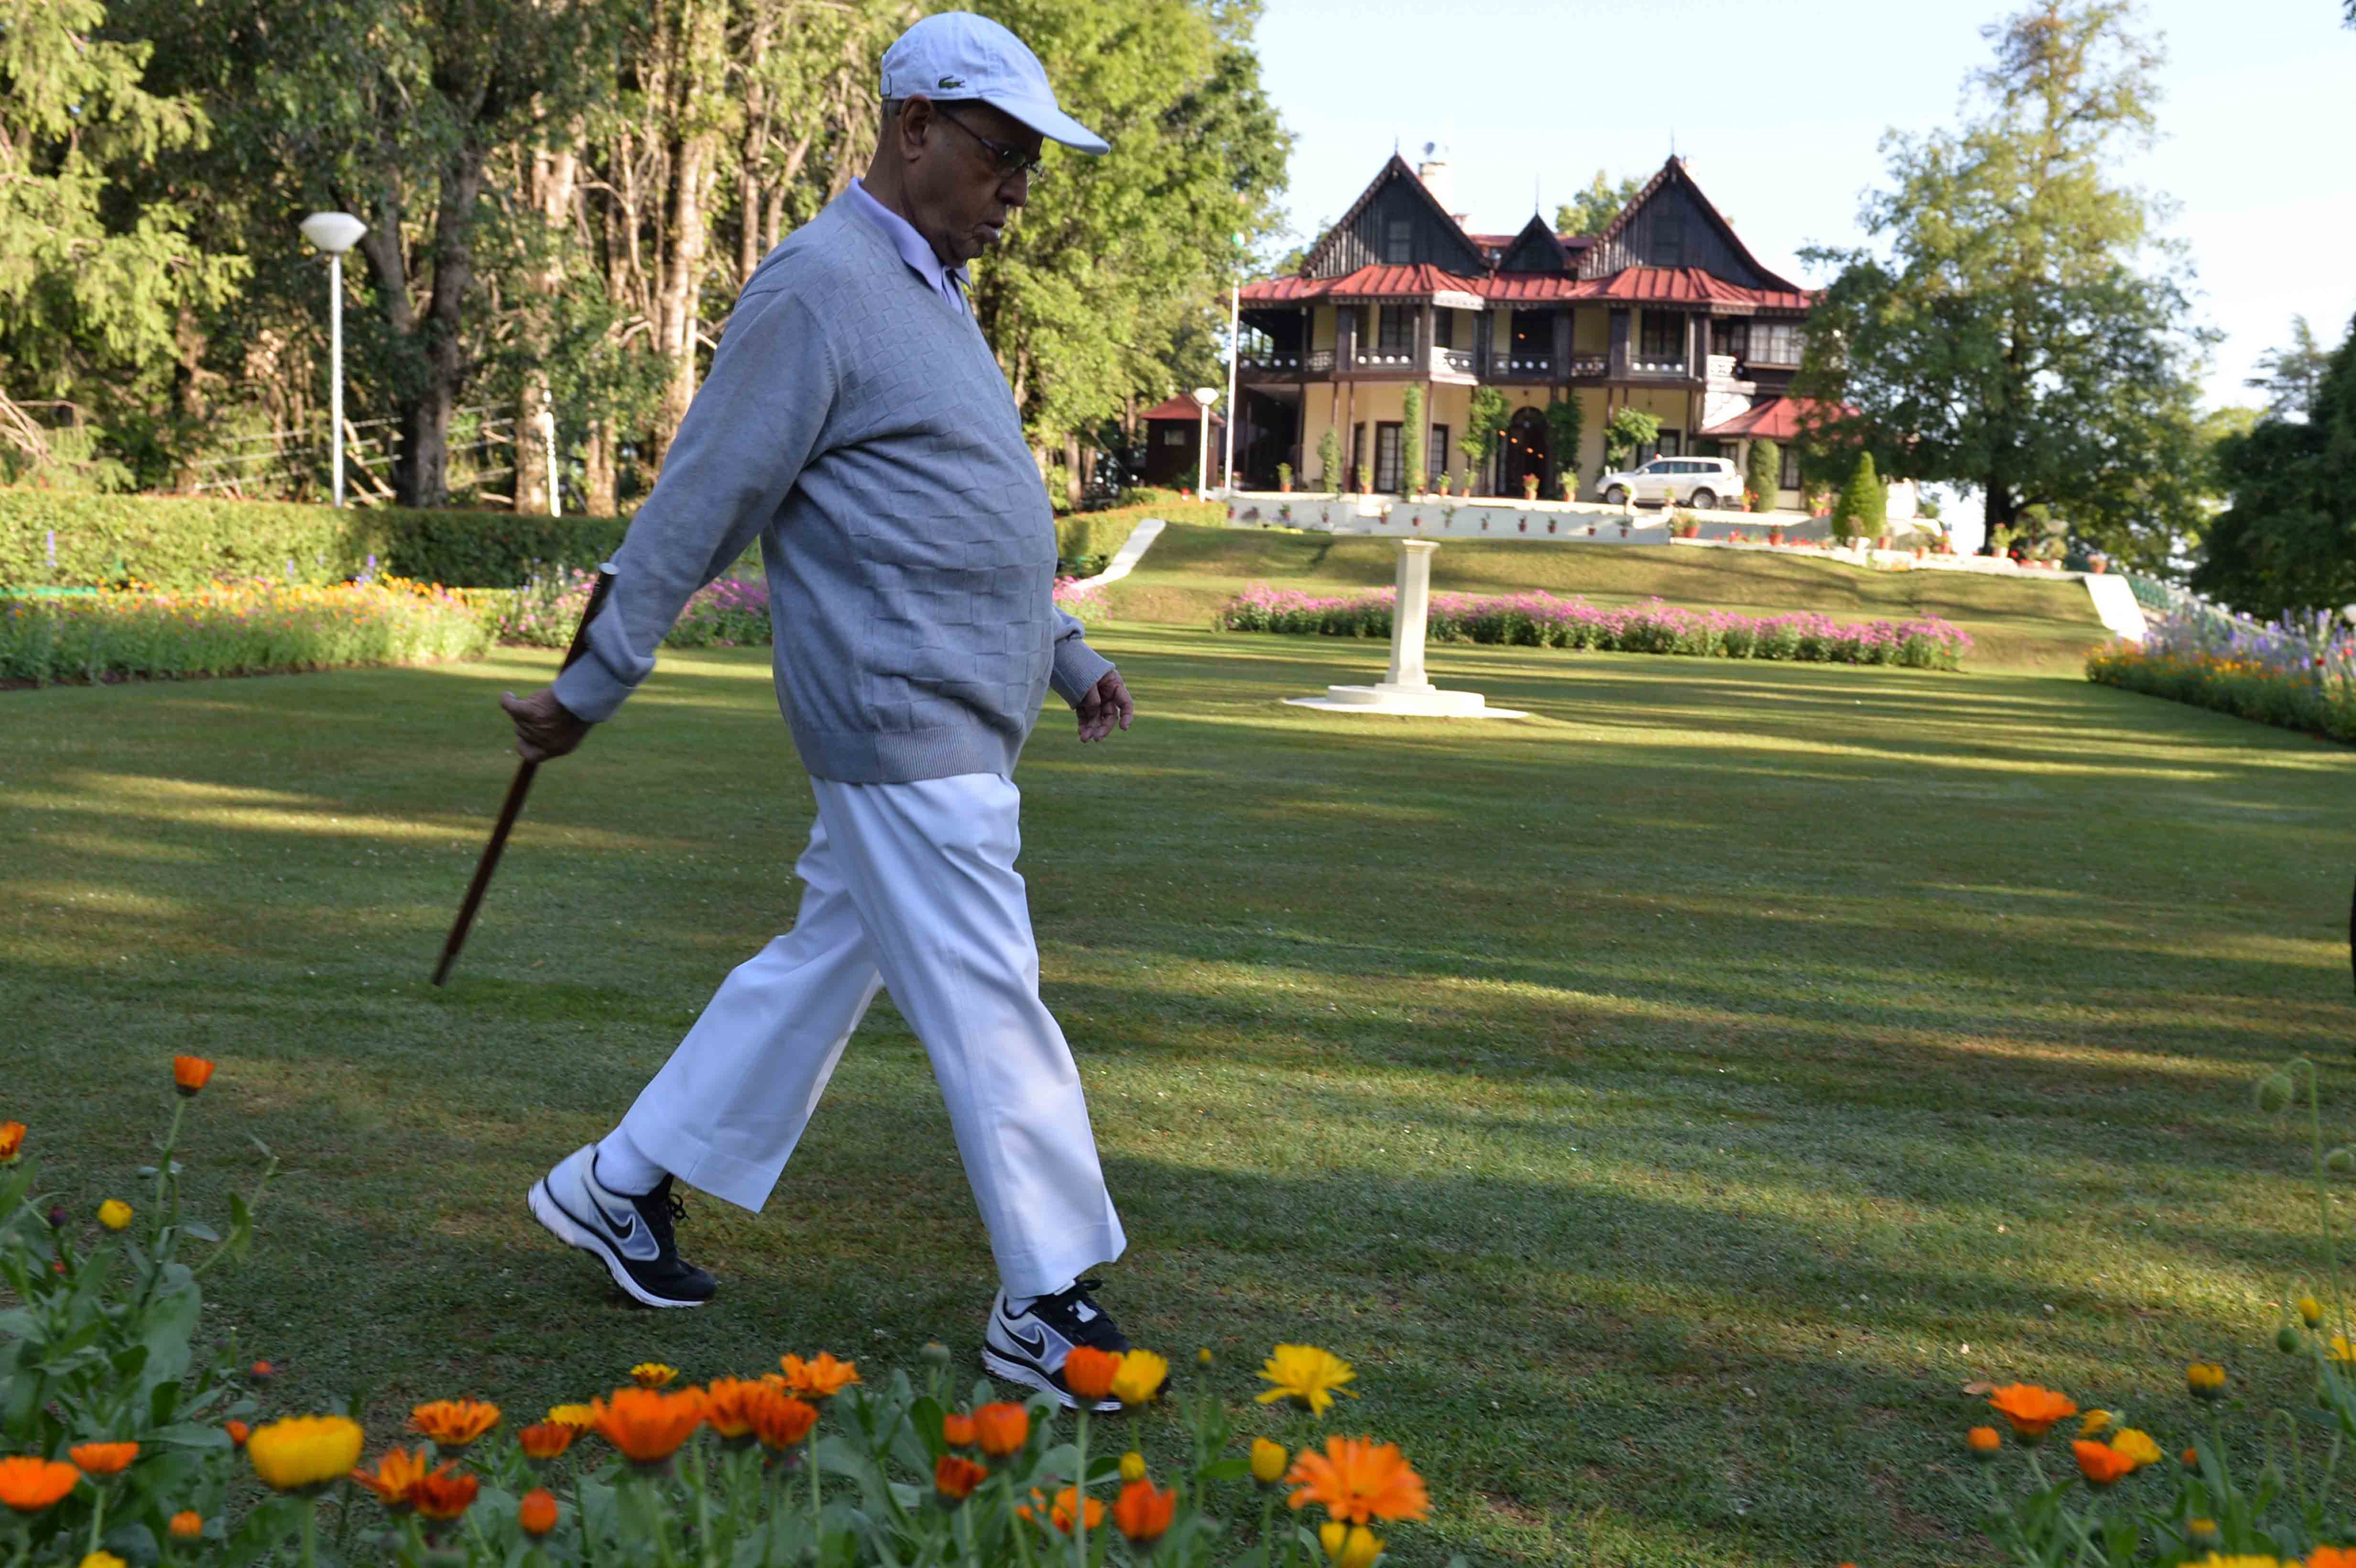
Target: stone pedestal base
{"x":1412,"y":702}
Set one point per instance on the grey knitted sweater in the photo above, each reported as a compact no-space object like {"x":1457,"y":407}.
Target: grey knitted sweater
{"x":856,"y":423}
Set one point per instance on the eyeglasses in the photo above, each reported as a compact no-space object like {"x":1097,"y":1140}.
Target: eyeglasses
{"x":1006,"y":159}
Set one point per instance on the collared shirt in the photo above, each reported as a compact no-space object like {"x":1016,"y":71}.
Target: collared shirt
{"x":914,"y":247}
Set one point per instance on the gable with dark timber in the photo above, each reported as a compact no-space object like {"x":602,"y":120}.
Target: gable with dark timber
{"x":1535,"y":250}
{"x":1674,"y":228}
{"x":1399,"y":227}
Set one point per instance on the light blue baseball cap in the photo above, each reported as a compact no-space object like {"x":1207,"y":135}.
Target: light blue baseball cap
{"x":959,"y":55}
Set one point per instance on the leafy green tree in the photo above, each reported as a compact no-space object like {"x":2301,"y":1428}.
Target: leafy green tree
{"x":1592,"y":209}
{"x":1412,"y":478}
{"x":2286,"y":540}
{"x":1630,"y":431}
{"x":1484,"y":422}
{"x":1329,"y":461}
{"x":2023,"y":330}
{"x":1565,"y":427}
{"x":1862,"y":505}
{"x":94,"y":275}
{"x":2292,"y":377}
{"x":1764,"y":474}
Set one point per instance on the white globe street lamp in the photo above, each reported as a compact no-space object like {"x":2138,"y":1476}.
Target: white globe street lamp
{"x":335,"y":233}
{"x":1204,"y":397}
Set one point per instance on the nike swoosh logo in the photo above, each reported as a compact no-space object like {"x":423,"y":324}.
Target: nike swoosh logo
{"x":631,"y":1238}
{"x":1035,"y":1346}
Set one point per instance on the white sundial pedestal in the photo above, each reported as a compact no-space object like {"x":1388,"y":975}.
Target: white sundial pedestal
{"x":1406,"y":689}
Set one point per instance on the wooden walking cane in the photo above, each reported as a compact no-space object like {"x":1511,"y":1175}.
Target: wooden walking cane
{"x":516,"y":792}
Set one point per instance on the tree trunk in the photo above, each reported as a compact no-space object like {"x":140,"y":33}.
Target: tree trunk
{"x":597,"y":472}
{"x":1072,"y":469}
{"x":549,"y":181}
{"x":696,"y":64}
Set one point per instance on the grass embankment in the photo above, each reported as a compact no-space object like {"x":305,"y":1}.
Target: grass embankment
{"x":1669,"y":1102}
{"x":2024,"y":623}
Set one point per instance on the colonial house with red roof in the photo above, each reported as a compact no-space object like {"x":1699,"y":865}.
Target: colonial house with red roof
{"x":1666,"y":311}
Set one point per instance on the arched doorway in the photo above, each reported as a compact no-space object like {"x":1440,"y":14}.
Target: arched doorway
{"x":1526,"y":448}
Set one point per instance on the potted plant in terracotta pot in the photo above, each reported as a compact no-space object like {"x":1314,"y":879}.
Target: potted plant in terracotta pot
{"x":1529,"y":487}
{"x":1284,"y":478}
{"x":1776,"y":534}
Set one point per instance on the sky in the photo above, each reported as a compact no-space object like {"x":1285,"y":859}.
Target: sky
{"x":1779,"y":110}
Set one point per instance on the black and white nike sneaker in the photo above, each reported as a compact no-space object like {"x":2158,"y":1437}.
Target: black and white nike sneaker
{"x":630,"y":1235}
{"x":1029,"y":1347}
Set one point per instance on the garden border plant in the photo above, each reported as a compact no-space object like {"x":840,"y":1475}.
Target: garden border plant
{"x":122,"y":1440}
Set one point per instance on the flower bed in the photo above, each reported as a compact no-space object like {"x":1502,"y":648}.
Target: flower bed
{"x":731,"y":613}
{"x":2298,"y":673}
{"x":123,"y":1434}
{"x":1541,"y":619}
{"x":234,"y":629}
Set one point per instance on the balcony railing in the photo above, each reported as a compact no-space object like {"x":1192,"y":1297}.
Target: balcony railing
{"x":1274,"y":363}
{"x":1453,"y":362}
{"x":1598,"y":365}
{"x":1321,"y":362}
{"x":1524,"y":366}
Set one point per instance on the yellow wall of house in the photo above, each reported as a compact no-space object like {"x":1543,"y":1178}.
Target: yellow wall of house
{"x":1590,"y":331}
{"x":1321,"y":327}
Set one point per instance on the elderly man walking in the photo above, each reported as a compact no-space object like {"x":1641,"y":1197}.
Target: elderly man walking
{"x":857,"y":424}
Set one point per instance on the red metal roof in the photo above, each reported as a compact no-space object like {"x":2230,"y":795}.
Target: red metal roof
{"x":1777,"y":419}
{"x":1392,"y":283}
{"x":1642,"y":286}
{"x":1180,"y":407}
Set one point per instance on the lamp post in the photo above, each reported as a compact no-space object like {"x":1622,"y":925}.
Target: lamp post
{"x":1204,"y":397}
{"x":544,"y":424}
{"x":335,"y":233}
{"x":1235,"y":358}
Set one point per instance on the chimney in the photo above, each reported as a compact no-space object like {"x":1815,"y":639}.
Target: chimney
{"x":1434,"y":172}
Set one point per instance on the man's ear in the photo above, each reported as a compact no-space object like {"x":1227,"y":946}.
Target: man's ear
{"x":913,"y":128}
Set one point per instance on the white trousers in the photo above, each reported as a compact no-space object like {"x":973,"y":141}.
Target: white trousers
{"x":913,"y":887}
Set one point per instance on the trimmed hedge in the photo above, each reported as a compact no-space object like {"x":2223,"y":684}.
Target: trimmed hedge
{"x":52,"y":538}
{"x":1095,"y":536}
{"x":65,"y":539}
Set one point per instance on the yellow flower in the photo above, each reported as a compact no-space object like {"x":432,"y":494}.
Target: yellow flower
{"x":1359,"y":1548}
{"x":2310,"y":1311}
{"x":579,"y":1415}
{"x":1268,"y":1461}
{"x":1203,"y":1357}
{"x":2136,"y":1445}
{"x":2203,"y":1531}
{"x":1133,"y":1466}
{"x":653,"y":1374}
{"x":2240,"y":1559}
{"x":1141,"y":1377}
{"x":304,"y":1452}
{"x":1305,"y":1373}
{"x":114,"y":1213}
{"x":2205,"y":1379}
{"x":2093,"y":1423}
{"x":2342,"y":1350}
{"x":103,"y":1560}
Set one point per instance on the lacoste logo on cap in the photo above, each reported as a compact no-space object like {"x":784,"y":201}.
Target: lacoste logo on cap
{"x":949,"y":82}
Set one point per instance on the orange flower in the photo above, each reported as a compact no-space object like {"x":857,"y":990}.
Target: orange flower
{"x":1065,"y":1511}
{"x":453,"y":1423}
{"x":2099,"y":1462}
{"x":647,"y":1425}
{"x":2190,"y":1459}
{"x":821,"y":1379}
{"x":191,"y":1074}
{"x":237,"y":1433}
{"x":186,"y":1525}
{"x":955,"y":1478}
{"x":445,"y":1494}
{"x":536,"y":1512}
{"x":547,"y":1441}
{"x":11,"y":1141}
{"x":29,"y":1484}
{"x":956,"y":1430}
{"x":780,"y":1421}
{"x":1357,"y":1479}
{"x":104,"y":1459}
{"x":261,"y":1372}
{"x":728,"y":1407}
{"x":395,"y":1474}
{"x":2031,"y":1409}
{"x":2331,"y":1557}
{"x":1144,"y":1510}
{"x":1983,"y":1441}
{"x":1088,"y":1372}
{"x":1002,"y":1429}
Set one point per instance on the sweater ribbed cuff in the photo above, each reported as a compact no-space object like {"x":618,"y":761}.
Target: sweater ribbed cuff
{"x":589,"y":691}
{"x":1076,"y":670}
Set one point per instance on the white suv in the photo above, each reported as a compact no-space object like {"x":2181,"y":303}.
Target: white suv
{"x":1702,"y":481}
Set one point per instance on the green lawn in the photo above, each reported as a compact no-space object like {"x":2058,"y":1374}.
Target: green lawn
{"x":1668,"y":1102}
{"x":2016,"y":622}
